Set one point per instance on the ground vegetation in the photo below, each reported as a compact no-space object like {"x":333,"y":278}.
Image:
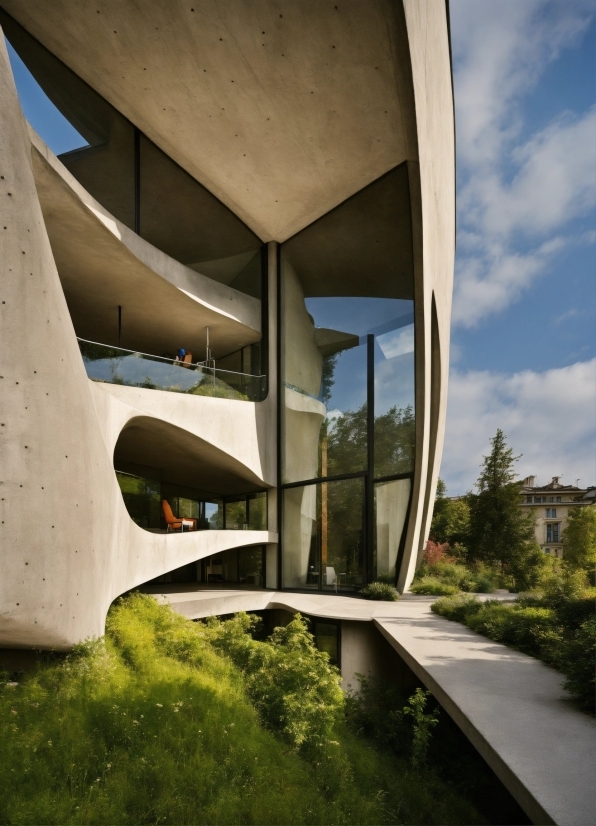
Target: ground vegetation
{"x":169,"y":721}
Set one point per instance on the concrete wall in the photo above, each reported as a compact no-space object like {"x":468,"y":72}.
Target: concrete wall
{"x":68,"y":544}
{"x":432,"y":190}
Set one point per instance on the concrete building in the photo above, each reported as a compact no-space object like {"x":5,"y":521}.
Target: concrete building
{"x":225,"y":305}
{"x":550,"y":506}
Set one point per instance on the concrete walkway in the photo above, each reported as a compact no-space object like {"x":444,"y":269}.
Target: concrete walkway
{"x":510,"y":706}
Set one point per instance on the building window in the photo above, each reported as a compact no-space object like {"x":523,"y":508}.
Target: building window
{"x":558,"y":499}
{"x":551,"y":513}
{"x":552,"y":532}
{"x":547,"y":550}
{"x":528,"y":500}
{"x":538,"y":500}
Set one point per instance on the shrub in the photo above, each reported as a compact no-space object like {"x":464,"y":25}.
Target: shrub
{"x":512,"y":624}
{"x":289,"y":681}
{"x":435,"y":552}
{"x":457,"y":608}
{"x":577,"y":663}
{"x":380,"y":591}
{"x":433,"y":586}
{"x":423,"y":724}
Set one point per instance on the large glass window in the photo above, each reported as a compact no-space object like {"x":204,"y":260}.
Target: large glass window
{"x":323,"y":534}
{"x":391,"y":507}
{"x":348,"y":390}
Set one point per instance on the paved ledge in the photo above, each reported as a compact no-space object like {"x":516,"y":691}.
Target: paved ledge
{"x":510,"y":706}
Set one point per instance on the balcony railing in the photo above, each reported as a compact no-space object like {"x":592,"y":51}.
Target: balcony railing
{"x":115,"y":365}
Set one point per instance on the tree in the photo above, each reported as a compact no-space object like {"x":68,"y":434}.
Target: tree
{"x":451,"y":518}
{"x":500,"y":533}
{"x":579,"y":539}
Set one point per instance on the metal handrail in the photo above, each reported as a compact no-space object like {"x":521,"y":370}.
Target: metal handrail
{"x":198,"y":364}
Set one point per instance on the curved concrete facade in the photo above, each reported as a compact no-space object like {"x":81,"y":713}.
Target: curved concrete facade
{"x":297,"y":112}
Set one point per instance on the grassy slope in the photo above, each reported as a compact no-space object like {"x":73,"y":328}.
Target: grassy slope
{"x":152,"y":725}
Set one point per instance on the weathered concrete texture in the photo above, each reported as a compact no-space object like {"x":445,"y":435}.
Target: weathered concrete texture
{"x":69,"y":546}
{"x":282,"y":111}
{"x":511,"y":706}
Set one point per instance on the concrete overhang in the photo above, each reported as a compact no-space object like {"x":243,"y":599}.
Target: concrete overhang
{"x":183,"y":458}
{"x":281,"y":110}
{"x":102,"y":264}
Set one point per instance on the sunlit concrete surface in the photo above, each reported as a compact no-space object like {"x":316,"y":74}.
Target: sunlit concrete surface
{"x":511,"y":706}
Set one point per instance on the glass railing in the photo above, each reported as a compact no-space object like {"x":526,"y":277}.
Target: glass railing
{"x":115,"y":365}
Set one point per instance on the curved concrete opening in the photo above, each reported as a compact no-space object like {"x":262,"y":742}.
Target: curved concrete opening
{"x":172,"y":481}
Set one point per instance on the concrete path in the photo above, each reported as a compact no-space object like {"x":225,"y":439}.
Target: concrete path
{"x":510,"y":706}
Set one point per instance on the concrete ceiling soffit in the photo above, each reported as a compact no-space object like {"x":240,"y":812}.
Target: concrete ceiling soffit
{"x":281,"y":110}
{"x":102,"y":264}
{"x":183,"y":458}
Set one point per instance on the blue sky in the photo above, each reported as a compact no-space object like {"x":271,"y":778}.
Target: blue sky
{"x":523,"y":348}
{"x":524,"y":311}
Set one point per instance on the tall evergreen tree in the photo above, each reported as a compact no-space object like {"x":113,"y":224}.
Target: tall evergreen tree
{"x":499,"y":530}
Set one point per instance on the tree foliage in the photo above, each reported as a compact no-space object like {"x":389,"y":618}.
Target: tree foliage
{"x":579,"y":538}
{"x":499,"y":530}
{"x":451,"y":519}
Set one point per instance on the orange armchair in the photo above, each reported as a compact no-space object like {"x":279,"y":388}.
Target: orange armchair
{"x":174,"y":523}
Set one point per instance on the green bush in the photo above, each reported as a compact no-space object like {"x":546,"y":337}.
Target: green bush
{"x":433,"y":586}
{"x":380,"y":591}
{"x":457,"y":608}
{"x":289,"y":681}
{"x":515,"y":625}
{"x":577,"y":663}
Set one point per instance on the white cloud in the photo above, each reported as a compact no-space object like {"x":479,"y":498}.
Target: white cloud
{"x":549,"y":417}
{"x":517,"y":195}
{"x":397,"y":342}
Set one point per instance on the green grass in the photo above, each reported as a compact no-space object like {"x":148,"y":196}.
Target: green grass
{"x":556,"y":627}
{"x":162,"y":722}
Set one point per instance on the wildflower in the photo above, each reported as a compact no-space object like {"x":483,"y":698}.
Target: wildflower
{"x":136,"y":723}
{"x":50,"y":743}
{"x":159,"y":705}
{"x":13,"y":711}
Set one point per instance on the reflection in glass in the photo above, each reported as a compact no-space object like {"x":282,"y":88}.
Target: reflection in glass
{"x":236,"y":514}
{"x":326,"y":636}
{"x":116,"y":365}
{"x":257,"y":511}
{"x":250,"y":566}
{"x":391,"y":507}
{"x":325,"y":353}
{"x":142,"y":498}
{"x":323,"y":535}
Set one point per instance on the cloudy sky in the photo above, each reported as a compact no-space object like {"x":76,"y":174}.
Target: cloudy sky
{"x":524,"y":304}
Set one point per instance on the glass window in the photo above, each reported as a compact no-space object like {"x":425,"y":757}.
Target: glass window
{"x":529,"y":500}
{"x":552,"y":532}
{"x":391,"y":507}
{"x":250,"y":566}
{"x":257,"y":511}
{"x":558,"y":499}
{"x":214,"y":515}
{"x":323,"y":535}
{"x":326,"y":636}
{"x":236,"y":517}
{"x":142,"y":498}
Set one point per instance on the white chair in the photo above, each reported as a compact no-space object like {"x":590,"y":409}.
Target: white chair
{"x":331,"y":577}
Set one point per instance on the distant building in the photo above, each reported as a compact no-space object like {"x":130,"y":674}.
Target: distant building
{"x":551,"y":505}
